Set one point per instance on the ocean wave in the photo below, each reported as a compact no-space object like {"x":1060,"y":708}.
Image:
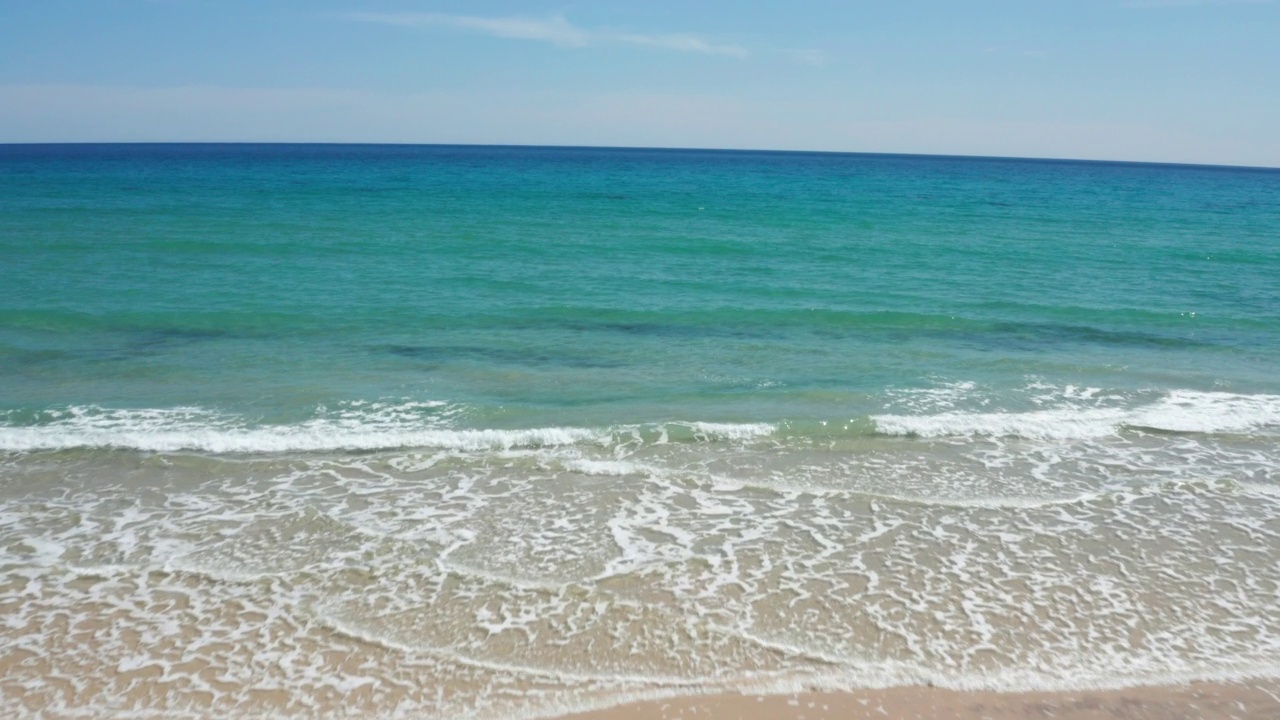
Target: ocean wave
{"x":1179,"y":411}
{"x":373,"y":426}
{"x":355,"y":427}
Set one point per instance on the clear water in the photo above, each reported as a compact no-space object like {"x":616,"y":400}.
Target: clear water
{"x":493,"y":432}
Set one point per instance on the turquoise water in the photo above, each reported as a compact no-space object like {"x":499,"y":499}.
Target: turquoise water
{"x":742,"y":392}
{"x":553,"y":286}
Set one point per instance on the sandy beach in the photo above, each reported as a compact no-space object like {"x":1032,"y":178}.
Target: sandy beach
{"x":1198,"y":701}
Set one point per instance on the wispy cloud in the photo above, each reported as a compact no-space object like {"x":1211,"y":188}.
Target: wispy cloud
{"x":555,"y":30}
{"x":679,"y":41}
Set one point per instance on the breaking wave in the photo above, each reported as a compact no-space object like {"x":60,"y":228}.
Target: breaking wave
{"x":1179,"y":411}
{"x":360,"y":426}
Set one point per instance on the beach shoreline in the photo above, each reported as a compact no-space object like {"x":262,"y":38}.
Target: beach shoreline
{"x":443,"y":432}
{"x":1191,"y":701}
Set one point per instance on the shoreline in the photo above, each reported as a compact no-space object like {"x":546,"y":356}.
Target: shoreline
{"x":1192,"y":701}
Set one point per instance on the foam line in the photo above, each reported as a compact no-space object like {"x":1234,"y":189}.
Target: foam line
{"x":1183,"y":411}
{"x":375,"y":427}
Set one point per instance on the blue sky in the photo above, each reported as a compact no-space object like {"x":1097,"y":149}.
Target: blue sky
{"x":1160,"y":80}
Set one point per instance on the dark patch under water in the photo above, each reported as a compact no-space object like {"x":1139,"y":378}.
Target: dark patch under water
{"x":440,"y":355}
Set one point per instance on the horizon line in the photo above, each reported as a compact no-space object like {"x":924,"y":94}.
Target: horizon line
{"x":1018,"y":158}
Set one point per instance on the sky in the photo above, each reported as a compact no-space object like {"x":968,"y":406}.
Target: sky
{"x":1193,"y":81}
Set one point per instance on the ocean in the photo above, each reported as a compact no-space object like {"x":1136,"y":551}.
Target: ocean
{"x":502,"y":432}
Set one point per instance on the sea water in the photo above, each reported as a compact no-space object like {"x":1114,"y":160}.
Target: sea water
{"x":495,"y":432}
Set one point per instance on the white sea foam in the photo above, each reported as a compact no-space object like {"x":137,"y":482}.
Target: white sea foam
{"x":501,"y":577}
{"x":360,"y":426}
{"x":312,"y":436}
{"x":1177,"y":411}
{"x":1209,"y":412}
{"x":637,"y":560}
{"x":606,"y":467}
{"x":732,"y":431}
{"x":1042,"y":424}
{"x":1070,"y":414}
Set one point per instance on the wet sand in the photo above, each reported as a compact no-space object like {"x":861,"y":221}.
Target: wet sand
{"x":1196,"y":701}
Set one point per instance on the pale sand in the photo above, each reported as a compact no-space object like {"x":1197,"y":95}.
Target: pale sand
{"x":1196,"y":701}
